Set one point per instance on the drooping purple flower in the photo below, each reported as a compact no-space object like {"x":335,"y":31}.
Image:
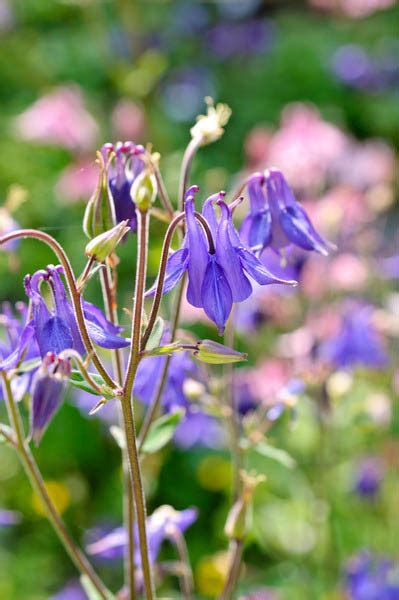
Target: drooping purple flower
{"x":371,"y":578}
{"x":48,"y":389}
{"x":122,"y":172}
{"x":368,"y":477}
{"x":217,"y":274}
{"x":276,"y":219}
{"x":55,"y":329}
{"x":357,"y":342}
{"x":163,"y":525}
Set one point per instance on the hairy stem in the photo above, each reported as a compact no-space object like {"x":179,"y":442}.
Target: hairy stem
{"x":109,"y":295}
{"x":73,"y":291}
{"x":127,"y":404}
{"x":32,"y":471}
{"x":188,"y":156}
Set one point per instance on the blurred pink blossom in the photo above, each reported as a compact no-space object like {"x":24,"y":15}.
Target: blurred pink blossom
{"x":59,"y":118}
{"x":366,"y":164}
{"x":78,"y":181}
{"x":128,"y":122}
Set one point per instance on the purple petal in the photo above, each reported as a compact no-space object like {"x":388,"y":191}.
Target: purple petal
{"x":216,"y":294}
{"x":47,"y":397}
{"x":256,"y":229}
{"x":105,"y":339}
{"x":176,"y":266}
{"x":208,"y":212}
{"x":198,"y":259}
{"x":257,"y":270}
{"x":95,"y":315}
{"x":13,"y":359}
{"x":256,"y":193}
{"x":300,"y":231}
{"x":227,"y":258}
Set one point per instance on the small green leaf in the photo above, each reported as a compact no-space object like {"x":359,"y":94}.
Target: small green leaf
{"x":161,"y":432}
{"x":156,"y":334}
{"x":91,"y":591}
{"x":276,"y":454}
{"x":78,"y":381}
{"x":162,"y":350}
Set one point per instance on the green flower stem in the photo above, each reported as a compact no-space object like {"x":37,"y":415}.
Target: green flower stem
{"x":236,"y":549}
{"x":73,"y":291}
{"x":32,"y":471}
{"x":109,"y":295}
{"x":188,"y":156}
{"x":127,"y":404}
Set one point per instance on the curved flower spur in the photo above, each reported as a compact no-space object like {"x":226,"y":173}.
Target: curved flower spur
{"x":218,"y":272}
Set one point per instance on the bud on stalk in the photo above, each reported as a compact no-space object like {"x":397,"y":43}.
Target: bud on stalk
{"x":104,"y":244}
{"x":99,"y":215}
{"x":144,"y":190}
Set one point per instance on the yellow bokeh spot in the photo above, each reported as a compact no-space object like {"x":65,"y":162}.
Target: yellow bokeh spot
{"x":58,"y":493}
{"x":211,"y":573}
{"x":214,"y":473}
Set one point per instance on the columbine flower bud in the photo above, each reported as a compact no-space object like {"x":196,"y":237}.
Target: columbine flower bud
{"x":209,"y":127}
{"x":214,"y":353}
{"x":99,"y":215}
{"x":104,"y":244}
{"x":144,"y":191}
{"x":47,"y":394}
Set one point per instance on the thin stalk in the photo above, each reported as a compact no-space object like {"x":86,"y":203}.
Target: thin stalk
{"x":186,"y":578}
{"x":234,"y":570}
{"x":32,"y":471}
{"x":109,"y":296}
{"x":73,"y":291}
{"x":188,"y":156}
{"x":127,"y":405}
{"x":163,"y":194}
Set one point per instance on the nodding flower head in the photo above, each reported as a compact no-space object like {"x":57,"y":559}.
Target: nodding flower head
{"x":124,"y":168}
{"x":218,"y":264}
{"x":48,"y":390}
{"x":53,"y":327}
{"x":276,"y":219}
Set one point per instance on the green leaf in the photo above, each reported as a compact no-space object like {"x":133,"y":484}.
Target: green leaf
{"x":80,"y":382}
{"x":276,"y":454}
{"x":156,"y":334}
{"x":162,"y":350}
{"x":91,"y":591}
{"x":161,"y":432}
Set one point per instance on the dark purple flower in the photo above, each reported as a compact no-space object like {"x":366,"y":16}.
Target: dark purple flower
{"x":227,"y":40}
{"x":276,"y":219}
{"x":357,"y":342}
{"x":48,"y":389}
{"x":217,"y":277}
{"x":368,"y":477}
{"x":55,"y":329}
{"x":162,"y":525}
{"x":372,"y":578}
{"x":122,"y":172}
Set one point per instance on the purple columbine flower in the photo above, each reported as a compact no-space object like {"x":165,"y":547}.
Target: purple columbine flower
{"x":55,"y":329}
{"x":122,"y":172}
{"x":357,"y":342}
{"x":48,"y":389}
{"x":368,"y":477}
{"x":276,"y":219}
{"x":372,"y":578}
{"x":217,"y":274}
{"x":164,"y":524}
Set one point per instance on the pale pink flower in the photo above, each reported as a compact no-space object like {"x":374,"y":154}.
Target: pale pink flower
{"x":353,"y":8}
{"x":59,"y":118}
{"x":128,"y":122}
{"x":78,"y":181}
{"x":366,"y":164}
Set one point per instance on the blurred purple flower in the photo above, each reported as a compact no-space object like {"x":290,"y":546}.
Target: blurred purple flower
{"x":368,"y":477}
{"x":162,"y":526}
{"x":357,"y":342}
{"x":182,"y":93}
{"x":7,"y":225}
{"x":353,"y":65}
{"x":389,"y":267}
{"x":59,"y":118}
{"x":71,"y":591}
{"x":227,"y":40}
{"x":9,"y":517}
{"x":198,"y":429}
{"x":372,"y":578}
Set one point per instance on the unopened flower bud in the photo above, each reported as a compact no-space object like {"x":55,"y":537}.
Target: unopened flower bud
{"x":238,"y":519}
{"x":99,"y":215}
{"x":144,"y":191}
{"x":209,"y":127}
{"x":104,"y":244}
{"x":212,"y":352}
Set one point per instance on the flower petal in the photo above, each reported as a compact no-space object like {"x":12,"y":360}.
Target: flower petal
{"x":176,"y":265}
{"x":198,"y":259}
{"x":55,"y":336}
{"x":47,"y":397}
{"x":300,"y":231}
{"x":105,"y":339}
{"x":257,"y":270}
{"x":256,"y":229}
{"x":217,"y":298}
{"x":13,"y":359}
{"x":95,"y":315}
